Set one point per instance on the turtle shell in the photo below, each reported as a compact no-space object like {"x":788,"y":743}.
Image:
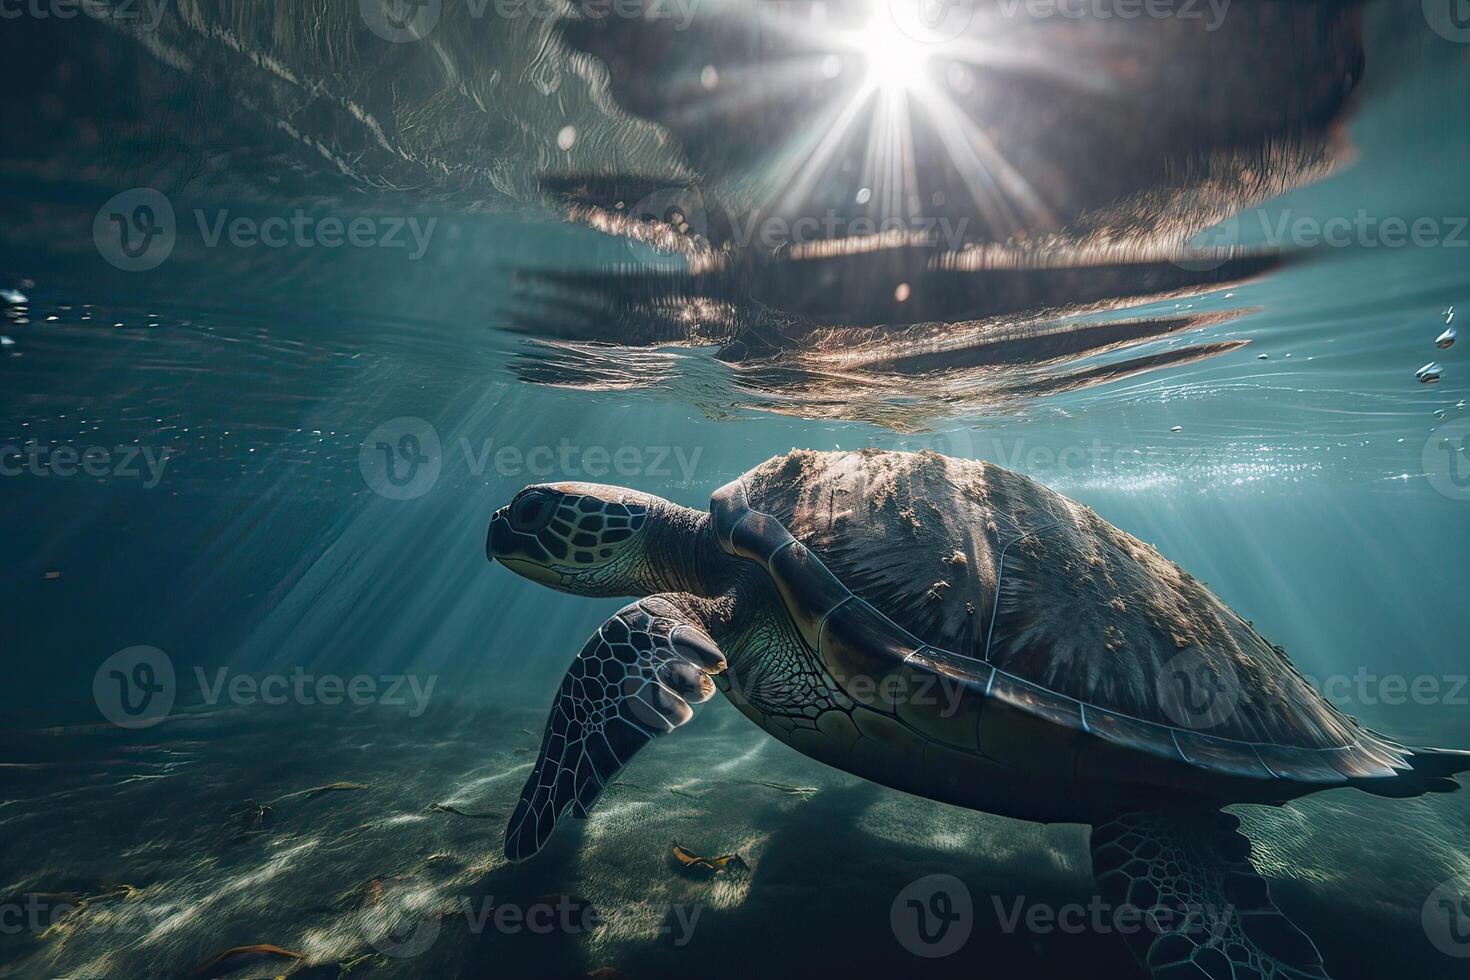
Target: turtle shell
{"x":1051,"y":622}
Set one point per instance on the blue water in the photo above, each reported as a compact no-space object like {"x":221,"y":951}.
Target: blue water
{"x":1311,"y":489}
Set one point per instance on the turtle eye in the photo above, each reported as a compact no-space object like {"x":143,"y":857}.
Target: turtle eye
{"x":532,"y":511}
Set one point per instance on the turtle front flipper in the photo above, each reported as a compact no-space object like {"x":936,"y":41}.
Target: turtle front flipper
{"x":1206,"y":912}
{"x":635,"y":679}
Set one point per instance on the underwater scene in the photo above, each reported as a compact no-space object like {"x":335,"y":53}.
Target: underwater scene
{"x":728,"y":488}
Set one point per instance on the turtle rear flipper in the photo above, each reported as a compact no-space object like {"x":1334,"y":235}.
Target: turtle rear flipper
{"x":1206,"y":912}
{"x":634,"y":680}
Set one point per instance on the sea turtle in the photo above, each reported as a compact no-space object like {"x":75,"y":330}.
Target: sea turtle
{"x":961,"y":632}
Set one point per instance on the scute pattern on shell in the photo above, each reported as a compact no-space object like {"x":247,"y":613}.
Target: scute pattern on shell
{"x":1085,"y":609}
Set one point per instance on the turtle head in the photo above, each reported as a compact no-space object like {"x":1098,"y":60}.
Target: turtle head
{"x":583,"y":538}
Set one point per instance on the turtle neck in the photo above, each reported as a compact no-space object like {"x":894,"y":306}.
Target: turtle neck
{"x":684,"y":556}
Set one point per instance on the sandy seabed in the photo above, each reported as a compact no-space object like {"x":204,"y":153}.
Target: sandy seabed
{"x":369,"y":843}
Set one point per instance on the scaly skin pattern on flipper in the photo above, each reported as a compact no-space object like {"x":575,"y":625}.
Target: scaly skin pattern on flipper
{"x":780,"y":683}
{"x":1206,"y":912}
{"x":633,"y":681}
{"x":777,"y":681}
{"x":773,"y":678}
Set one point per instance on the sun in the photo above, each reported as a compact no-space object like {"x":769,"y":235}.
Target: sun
{"x":896,"y":62}
{"x":912,"y":98}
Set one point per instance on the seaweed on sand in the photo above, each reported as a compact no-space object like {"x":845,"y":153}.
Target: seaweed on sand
{"x":207,"y":968}
{"x":802,"y":791}
{"x":72,"y":905}
{"x":692,"y":863}
{"x":251,"y":818}
{"x":451,"y":808}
